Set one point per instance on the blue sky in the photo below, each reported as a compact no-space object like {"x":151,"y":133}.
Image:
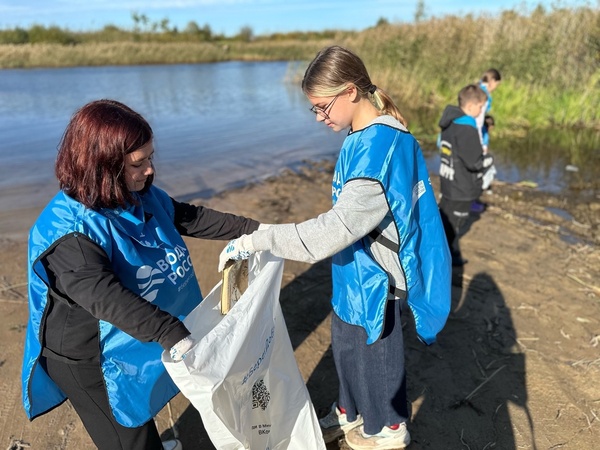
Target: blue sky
{"x":262,"y":16}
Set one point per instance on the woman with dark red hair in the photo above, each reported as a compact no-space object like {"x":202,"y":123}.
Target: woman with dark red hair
{"x":110,"y":281}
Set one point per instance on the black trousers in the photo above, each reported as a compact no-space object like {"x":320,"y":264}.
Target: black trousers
{"x":84,"y":386}
{"x":455,"y":218}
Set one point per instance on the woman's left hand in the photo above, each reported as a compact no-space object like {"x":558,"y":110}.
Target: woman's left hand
{"x":180,"y":350}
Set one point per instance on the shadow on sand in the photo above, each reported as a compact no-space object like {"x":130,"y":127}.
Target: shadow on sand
{"x":461,"y":387}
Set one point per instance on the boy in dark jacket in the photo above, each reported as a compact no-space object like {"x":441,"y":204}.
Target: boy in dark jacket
{"x":462,"y":164}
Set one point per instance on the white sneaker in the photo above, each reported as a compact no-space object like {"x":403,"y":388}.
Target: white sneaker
{"x":385,"y":439}
{"x":173,"y":444}
{"x":335,"y":424}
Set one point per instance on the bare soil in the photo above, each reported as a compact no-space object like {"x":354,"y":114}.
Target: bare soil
{"x":516,"y":367}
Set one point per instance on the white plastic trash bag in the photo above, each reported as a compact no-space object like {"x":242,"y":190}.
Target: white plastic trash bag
{"x":242,"y":375}
{"x":488,"y":177}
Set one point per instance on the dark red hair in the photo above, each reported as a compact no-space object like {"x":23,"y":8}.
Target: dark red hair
{"x":91,"y":155}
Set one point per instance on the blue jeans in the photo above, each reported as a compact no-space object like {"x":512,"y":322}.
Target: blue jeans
{"x":372,"y":377}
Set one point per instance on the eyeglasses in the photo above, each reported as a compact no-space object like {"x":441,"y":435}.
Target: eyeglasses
{"x":323,"y":111}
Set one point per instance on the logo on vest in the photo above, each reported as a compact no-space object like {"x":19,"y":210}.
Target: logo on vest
{"x":175,"y":266}
{"x":149,"y":281}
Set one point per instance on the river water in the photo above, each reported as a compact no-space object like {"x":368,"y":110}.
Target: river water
{"x":216,"y":126}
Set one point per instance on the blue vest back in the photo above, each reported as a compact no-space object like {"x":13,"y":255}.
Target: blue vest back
{"x":360,"y":286}
{"x":151,"y":259}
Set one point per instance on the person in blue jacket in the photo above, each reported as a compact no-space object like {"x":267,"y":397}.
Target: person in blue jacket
{"x":110,"y":281}
{"x":462,"y":164}
{"x":386,"y":239}
{"x":489,"y":81}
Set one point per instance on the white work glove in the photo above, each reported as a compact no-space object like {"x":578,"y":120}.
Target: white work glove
{"x":179,"y":351}
{"x":240,"y":248}
{"x":488,"y":161}
{"x":264,"y":226}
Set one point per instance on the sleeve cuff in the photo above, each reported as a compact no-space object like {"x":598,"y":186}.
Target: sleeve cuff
{"x":176,"y":335}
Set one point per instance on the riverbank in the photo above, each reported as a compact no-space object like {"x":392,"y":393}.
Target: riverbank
{"x":127,"y":53}
{"x":515,"y":367}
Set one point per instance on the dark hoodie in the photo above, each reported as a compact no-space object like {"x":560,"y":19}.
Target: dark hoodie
{"x":461,"y":164}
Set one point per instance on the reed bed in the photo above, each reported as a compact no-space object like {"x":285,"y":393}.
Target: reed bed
{"x":550,"y":64}
{"x":14,"y":56}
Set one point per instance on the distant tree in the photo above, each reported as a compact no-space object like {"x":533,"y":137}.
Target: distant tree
{"x":144,"y":20}
{"x":14,"y":36}
{"x":207,"y":32}
{"x":538,"y":13}
{"x":111,"y":28}
{"x":382,"y":22}
{"x":192,"y":28}
{"x":140,"y":22}
{"x":136,"y":21}
{"x":246,"y":34}
{"x":38,"y":34}
{"x":108,"y":33}
{"x":164,"y":25}
{"x":420,"y":14}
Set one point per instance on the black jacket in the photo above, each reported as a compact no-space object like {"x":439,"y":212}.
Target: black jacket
{"x":461,"y":156}
{"x":84,"y":289}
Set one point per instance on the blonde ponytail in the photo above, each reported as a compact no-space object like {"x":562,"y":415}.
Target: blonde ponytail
{"x":386,"y":105}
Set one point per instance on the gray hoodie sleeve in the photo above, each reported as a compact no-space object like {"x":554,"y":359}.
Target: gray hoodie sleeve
{"x":360,"y":208}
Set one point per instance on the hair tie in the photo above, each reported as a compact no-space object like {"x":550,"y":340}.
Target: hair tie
{"x":372,"y":89}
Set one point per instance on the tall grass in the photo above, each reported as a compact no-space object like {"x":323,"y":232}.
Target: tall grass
{"x":549,"y":60}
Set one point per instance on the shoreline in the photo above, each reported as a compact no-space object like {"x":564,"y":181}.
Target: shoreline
{"x":578,"y":218}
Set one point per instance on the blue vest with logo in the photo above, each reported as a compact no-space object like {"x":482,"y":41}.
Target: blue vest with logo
{"x":152,"y":260}
{"x":360,"y":285}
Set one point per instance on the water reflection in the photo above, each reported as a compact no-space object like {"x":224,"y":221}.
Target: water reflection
{"x":222,"y":124}
{"x":549,"y":157}
{"x":557,"y":161}
{"x":216,"y":125}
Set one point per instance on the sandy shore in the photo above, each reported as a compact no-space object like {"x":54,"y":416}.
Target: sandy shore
{"x":517,"y":365}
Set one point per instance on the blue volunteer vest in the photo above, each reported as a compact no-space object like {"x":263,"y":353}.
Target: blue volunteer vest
{"x":488,"y":104}
{"x":360,"y":285}
{"x":152,"y":260}
{"x":485,"y":135}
